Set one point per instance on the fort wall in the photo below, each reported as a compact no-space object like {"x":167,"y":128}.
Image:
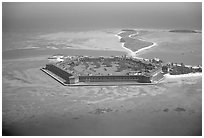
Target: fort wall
{"x":70,"y":79}
{"x":111,"y":78}
{"x":59,"y":72}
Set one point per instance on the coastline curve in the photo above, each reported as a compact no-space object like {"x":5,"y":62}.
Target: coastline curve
{"x":134,"y":53}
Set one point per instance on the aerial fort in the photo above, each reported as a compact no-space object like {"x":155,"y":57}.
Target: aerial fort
{"x":87,"y":70}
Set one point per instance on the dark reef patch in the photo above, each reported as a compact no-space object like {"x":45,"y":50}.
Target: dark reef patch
{"x":184,"y":31}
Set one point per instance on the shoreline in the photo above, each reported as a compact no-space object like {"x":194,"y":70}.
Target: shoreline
{"x":145,"y":48}
{"x":132,"y":53}
{"x":168,"y":76}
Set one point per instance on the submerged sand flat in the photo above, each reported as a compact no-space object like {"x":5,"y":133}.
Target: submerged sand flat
{"x":35,"y":104}
{"x":174,"y":47}
{"x":92,"y":40}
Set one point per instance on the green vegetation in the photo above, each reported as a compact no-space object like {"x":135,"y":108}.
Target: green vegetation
{"x":107,"y":63}
{"x":182,"y":69}
{"x":184,"y":31}
{"x":86,"y":65}
{"x":124,"y":65}
{"x":122,"y":40}
{"x":103,"y":66}
{"x":97,"y":64}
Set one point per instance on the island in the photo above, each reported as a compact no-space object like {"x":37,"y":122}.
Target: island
{"x":184,"y":31}
{"x":113,"y":70}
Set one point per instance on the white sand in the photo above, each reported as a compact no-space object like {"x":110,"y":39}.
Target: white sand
{"x":183,"y":75}
{"x":131,"y":53}
{"x":145,"y":48}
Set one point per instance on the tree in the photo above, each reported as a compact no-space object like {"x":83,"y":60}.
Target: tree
{"x":182,"y":65}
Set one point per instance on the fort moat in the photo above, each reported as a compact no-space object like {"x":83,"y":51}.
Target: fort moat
{"x":113,"y":70}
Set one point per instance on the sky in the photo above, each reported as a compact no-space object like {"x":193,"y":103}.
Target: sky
{"x":82,"y":16}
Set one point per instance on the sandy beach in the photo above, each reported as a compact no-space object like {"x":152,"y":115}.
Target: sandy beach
{"x":129,"y":51}
{"x":139,"y":50}
{"x":133,"y":43}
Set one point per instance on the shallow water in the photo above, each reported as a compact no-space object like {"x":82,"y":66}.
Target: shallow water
{"x":24,"y":53}
{"x":175,"y":47}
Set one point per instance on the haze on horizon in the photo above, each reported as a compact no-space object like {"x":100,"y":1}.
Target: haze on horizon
{"x":88,"y":16}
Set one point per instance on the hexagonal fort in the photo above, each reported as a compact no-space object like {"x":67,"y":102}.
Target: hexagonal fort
{"x":76,"y":69}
